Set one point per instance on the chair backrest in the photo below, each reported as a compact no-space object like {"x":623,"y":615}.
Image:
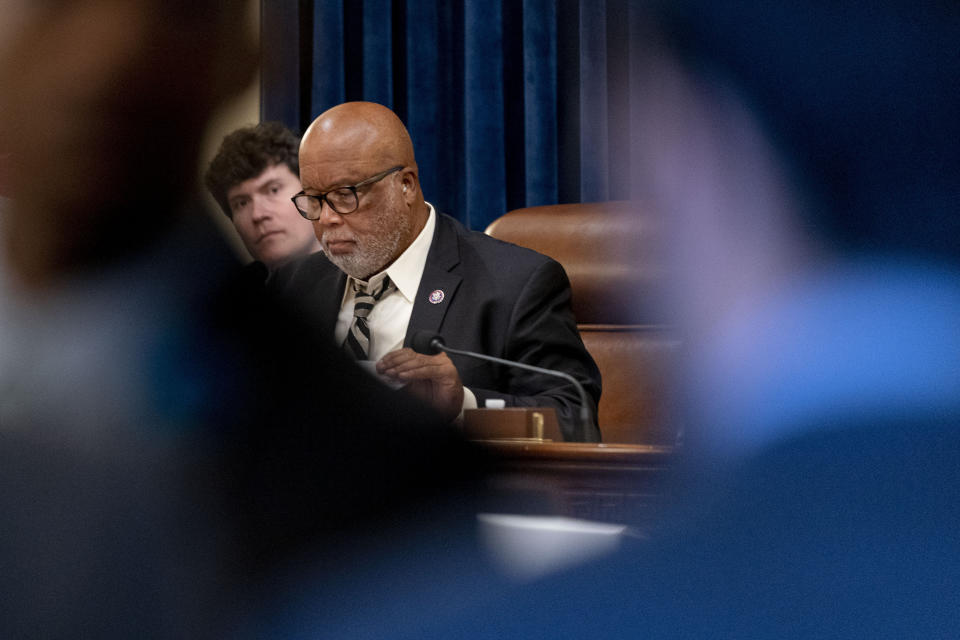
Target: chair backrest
{"x":607,"y":250}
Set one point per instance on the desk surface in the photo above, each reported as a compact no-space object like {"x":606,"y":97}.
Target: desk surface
{"x":620,"y":483}
{"x":624,"y":454}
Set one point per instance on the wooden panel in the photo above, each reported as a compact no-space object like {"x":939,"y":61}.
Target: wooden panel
{"x":611,"y":483}
{"x":513,"y":422}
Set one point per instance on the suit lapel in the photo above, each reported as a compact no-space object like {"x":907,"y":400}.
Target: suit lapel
{"x":439,"y":282}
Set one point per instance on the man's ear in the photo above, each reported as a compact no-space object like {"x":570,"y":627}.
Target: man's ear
{"x":408,"y":181}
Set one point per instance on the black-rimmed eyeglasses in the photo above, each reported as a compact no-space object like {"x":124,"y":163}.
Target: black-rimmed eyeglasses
{"x":342,"y":200}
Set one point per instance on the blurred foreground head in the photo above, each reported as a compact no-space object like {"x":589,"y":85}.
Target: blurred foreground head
{"x":102,"y":109}
{"x":780,"y":137}
{"x":856,"y":101}
{"x":806,"y":158}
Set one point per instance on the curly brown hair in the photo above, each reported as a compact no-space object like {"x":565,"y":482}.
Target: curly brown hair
{"x":246,"y":153}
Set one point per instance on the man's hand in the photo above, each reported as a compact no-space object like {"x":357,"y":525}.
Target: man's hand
{"x":432,"y":378}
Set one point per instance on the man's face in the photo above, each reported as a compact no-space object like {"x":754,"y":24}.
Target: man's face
{"x":367,"y":240}
{"x":269,"y":225}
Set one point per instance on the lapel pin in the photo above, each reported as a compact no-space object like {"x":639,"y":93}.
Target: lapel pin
{"x":436,"y":297}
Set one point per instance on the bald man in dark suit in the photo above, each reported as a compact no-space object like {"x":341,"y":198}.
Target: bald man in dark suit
{"x":362,"y":190}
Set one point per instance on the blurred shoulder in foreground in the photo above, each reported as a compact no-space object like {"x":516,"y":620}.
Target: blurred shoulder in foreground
{"x":170,"y":435}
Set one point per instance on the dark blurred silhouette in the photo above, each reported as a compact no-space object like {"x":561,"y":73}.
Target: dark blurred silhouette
{"x":169,"y":437}
{"x":805,"y":159}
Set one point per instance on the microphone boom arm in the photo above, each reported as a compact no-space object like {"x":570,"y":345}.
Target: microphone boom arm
{"x":585,"y":421}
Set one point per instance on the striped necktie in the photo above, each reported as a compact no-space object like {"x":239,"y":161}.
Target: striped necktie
{"x":358,"y":338}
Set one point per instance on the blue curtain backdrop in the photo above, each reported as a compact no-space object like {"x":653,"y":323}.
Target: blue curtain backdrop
{"x":510,"y":103}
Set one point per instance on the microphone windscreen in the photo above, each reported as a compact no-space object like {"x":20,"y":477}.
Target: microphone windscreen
{"x":425,"y":342}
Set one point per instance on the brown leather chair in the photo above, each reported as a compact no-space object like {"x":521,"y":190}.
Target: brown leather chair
{"x":607,"y":250}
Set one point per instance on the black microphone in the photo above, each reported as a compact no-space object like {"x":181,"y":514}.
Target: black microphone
{"x":431,"y":343}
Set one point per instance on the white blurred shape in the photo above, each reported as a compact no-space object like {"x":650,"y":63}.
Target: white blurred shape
{"x":529,"y":547}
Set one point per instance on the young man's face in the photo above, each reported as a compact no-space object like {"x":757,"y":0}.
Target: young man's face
{"x":269,"y":225}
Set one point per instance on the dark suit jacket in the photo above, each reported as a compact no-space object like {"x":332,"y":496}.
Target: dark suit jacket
{"x":498,"y":299}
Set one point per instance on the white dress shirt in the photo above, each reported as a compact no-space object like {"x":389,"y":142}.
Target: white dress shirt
{"x":390,"y":316}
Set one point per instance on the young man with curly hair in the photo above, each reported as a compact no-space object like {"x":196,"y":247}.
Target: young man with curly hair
{"x":252,"y":178}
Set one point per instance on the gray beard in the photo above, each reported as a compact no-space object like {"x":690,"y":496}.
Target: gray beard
{"x":373,"y":252}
